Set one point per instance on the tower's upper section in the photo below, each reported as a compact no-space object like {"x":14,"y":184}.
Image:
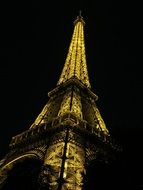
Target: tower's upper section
{"x":75,"y":64}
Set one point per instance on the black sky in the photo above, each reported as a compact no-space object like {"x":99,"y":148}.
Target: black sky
{"x":35,"y":37}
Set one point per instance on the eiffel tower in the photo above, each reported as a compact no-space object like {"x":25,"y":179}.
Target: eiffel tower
{"x":68,"y":134}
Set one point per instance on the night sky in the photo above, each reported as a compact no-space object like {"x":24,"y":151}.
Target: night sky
{"x":34,"y":42}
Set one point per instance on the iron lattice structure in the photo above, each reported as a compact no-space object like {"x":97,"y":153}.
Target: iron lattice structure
{"x":69,"y":132}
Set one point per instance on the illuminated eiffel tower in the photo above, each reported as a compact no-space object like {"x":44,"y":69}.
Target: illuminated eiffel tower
{"x":67,"y":135}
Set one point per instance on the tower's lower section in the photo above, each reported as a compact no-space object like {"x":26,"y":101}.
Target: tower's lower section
{"x":67,"y":175}
{"x":63,"y":148}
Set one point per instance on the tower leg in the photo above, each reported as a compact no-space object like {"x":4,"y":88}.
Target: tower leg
{"x":64,"y":165}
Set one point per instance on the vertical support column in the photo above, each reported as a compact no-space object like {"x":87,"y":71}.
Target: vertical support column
{"x":61,"y":178}
{"x":53,"y":171}
{"x":64,"y":164}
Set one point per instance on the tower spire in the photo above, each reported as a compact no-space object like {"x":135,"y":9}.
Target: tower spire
{"x":75,"y":64}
